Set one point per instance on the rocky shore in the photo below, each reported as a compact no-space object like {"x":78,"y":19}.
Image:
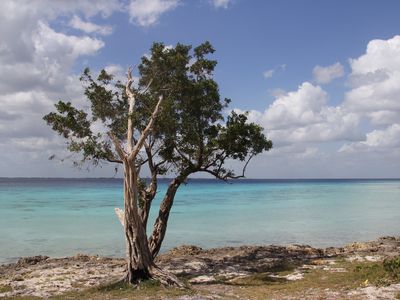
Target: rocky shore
{"x":214,"y":273}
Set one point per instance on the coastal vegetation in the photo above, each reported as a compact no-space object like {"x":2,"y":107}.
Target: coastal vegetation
{"x":169,"y":121}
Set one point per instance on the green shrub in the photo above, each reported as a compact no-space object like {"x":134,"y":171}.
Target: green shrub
{"x":392,"y":266}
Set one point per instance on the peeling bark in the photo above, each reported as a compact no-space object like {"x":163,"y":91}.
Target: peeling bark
{"x":139,"y":260}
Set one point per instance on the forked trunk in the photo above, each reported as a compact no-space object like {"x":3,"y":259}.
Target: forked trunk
{"x":139,"y":259}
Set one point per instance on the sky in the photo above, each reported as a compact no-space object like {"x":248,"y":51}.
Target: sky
{"x":321,"y":77}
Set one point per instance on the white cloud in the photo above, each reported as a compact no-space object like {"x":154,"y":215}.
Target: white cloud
{"x":269,"y":73}
{"x":116,"y":70}
{"x":48,"y":43}
{"x":300,"y":121}
{"x":383,"y":117}
{"x":296,"y":108}
{"x":304,"y":116}
{"x":221,"y":3}
{"x":323,"y":75}
{"x":51,"y":56}
{"x":380,"y":55}
{"x":375,"y":81}
{"x":295,"y":151}
{"x":11,"y":11}
{"x":89,"y":27}
{"x":36,"y":64}
{"x":386,"y":140}
{"x":389,"y":137}
{"x":147,"y":12}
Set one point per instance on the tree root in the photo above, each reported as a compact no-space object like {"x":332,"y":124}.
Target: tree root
{"x":166,"y":278}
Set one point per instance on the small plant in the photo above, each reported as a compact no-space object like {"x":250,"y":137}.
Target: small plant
{"x":392,"y":266}
{"x":5,"y":288}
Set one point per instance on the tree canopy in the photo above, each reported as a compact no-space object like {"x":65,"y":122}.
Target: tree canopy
{"x":189,"y":134}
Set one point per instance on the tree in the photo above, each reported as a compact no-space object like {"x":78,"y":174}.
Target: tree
{"x":173,"y":123}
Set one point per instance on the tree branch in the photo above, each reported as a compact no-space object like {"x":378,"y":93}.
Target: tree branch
{"x":129,"y":83}
{"x":215,"y":174}
{"x":113,"y":160}
{"x":184,"y":156}
{"x":132,"y":101}
{"x":117,"y":145}
{"x":160,"y":224}
{"x":151,"y":190}
{"x":148,"y":193}
{"x":244,"y":168}
{"x":217,"y":157}
{"x":227,"y":176}
{"x":146,"y":131}
{"x":147,"y":87}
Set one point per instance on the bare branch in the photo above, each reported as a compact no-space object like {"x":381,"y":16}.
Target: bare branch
{"x":151,"y":190}
{"x":113,"y":160}
{"x":146,"y":131}
{"x":244,"y":168}
{"x":128,"y":86}
{"x":131,"y":97}
{"x":141,"y":162}
{"x":215,"y":174}
{"x":160,"y":163}
{"x":147,"y":87}
{"x":117,"y":145}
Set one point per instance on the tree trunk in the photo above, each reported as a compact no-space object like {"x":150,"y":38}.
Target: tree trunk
{"x":139,"y":258}
{"x":160,"y":225}
{"x":140,"y":261}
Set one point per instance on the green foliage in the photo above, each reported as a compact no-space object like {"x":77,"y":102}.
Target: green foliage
{"x":5,"y":288}
{"x":189,"y":133}
{"x":69,"y":121}
{"x":239,"y":138}
{"x":392,"y":266}
{"x":108,"y":101}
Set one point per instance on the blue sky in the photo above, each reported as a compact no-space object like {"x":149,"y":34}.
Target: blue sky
{"x":318,"y":75}
{"x":251,"y":38}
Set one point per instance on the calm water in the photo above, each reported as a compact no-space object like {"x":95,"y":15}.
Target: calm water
{"x":59,"y":217}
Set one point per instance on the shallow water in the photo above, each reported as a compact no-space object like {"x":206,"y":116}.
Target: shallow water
{"x":59,"y":217}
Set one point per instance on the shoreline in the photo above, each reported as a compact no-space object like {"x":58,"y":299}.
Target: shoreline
{"x":42,"y":276}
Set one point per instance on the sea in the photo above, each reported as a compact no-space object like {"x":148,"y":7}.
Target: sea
{"x":63,"y":217}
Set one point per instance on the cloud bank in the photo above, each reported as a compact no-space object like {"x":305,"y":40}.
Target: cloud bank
{"x":302,"y":122}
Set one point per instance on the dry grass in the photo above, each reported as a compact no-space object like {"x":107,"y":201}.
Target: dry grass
{"x":317,"y":283}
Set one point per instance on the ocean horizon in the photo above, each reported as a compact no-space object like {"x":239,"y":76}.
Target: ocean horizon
{"x":64,"y":216}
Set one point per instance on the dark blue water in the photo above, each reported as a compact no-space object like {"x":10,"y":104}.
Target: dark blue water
{"x":59,"y":217}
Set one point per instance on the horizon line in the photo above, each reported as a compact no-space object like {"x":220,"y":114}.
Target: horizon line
{"x":196,"y":178}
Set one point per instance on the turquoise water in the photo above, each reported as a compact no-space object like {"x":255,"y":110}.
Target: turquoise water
{"x":59,"y":217}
